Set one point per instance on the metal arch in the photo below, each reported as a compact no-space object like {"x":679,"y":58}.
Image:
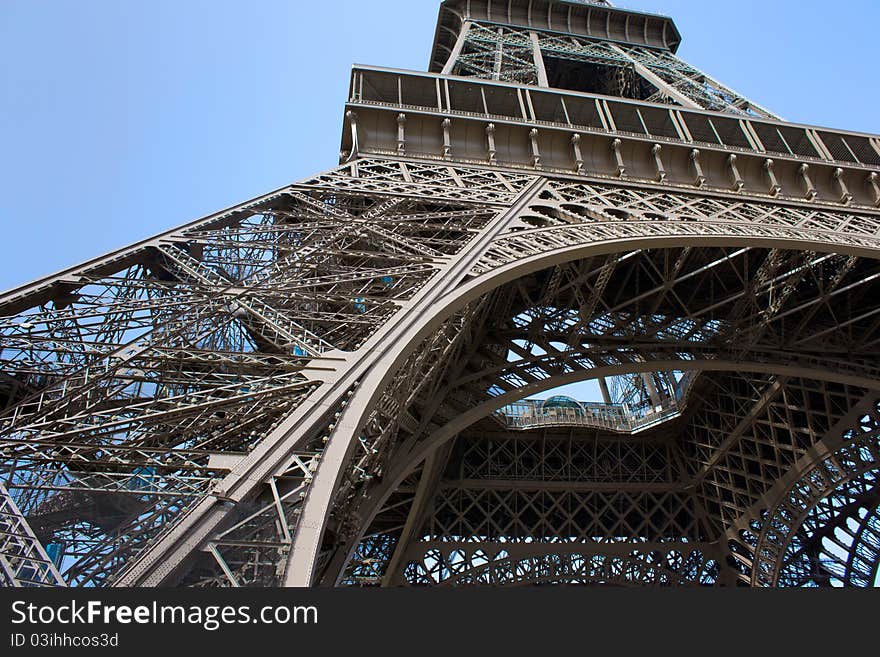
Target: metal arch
{"x":859,"y":454}
{"x":663,"y":234}
{"x":671,"y":365}
{"x":418,"y":451}
{"x":834,"y":437}
{"x":863,"y":551}
{"x":471,"y":287}
{"x":207,"y":405}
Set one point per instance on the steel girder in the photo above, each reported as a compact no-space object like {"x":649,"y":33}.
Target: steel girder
{"x":23,"y":559}
{"x":135,"y":384}
{"x":594,"y":497}
{"x":517,"y":54}
{"x":722,"y":433}
{"x":257,"y":387}
{"x":310,"y":388}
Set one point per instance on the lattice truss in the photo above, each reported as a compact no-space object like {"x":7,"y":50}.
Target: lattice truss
{"x":135,"y":386}
{"x":823,"y":530}
{"x":132,"y":385}
{"x":648,"y":74}
{"x":586,"y":507}
{"x":23,"y":559}
{"x":775,"y":321}
{"x":197,"y":380}
{"x":498,"y":53}
{"x":552,"y":507}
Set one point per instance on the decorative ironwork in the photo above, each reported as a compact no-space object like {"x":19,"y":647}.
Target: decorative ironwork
{"x":337,"y":383}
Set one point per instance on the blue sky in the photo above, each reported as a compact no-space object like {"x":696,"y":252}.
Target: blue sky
{"x":119,"y":119}
{"x":123,"y":118}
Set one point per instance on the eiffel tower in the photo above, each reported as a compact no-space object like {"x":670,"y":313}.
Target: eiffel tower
{"x":348,"y":381}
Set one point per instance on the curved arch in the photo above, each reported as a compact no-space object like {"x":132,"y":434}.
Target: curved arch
{"x":605,"y":238}
{"x":865,"y":544}
{"x":418,"y":452}
{"x":837,"y":470}
{"x":651,"y":235}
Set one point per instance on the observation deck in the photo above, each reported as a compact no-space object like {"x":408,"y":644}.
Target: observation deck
{"x":563,"y":411}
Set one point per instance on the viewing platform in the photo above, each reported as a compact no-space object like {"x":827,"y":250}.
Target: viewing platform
{"x":562,"y":411}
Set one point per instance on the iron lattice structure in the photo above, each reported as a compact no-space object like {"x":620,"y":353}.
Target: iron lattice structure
{"x":334,"y":383}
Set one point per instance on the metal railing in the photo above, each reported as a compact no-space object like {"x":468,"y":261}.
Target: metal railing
{"x":533,"y":414}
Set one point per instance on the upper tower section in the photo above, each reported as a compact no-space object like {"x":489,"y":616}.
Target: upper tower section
{"x":574,"y":45}
{"x":590,"y":90}
{"x":596,"y":20}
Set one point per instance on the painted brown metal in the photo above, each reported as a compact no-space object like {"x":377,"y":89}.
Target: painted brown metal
{"x":325,"y":385}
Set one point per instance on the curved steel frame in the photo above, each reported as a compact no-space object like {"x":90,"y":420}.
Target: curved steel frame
{"x":301,"y":572}
{"x":239,"y":400}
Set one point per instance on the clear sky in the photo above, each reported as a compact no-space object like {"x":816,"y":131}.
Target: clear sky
{"x":122,"y":118}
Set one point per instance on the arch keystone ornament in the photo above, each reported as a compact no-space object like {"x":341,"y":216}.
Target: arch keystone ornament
{"x":348,"y":381}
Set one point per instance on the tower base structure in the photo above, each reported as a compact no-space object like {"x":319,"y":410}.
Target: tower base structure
{"x":336,"y":383}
